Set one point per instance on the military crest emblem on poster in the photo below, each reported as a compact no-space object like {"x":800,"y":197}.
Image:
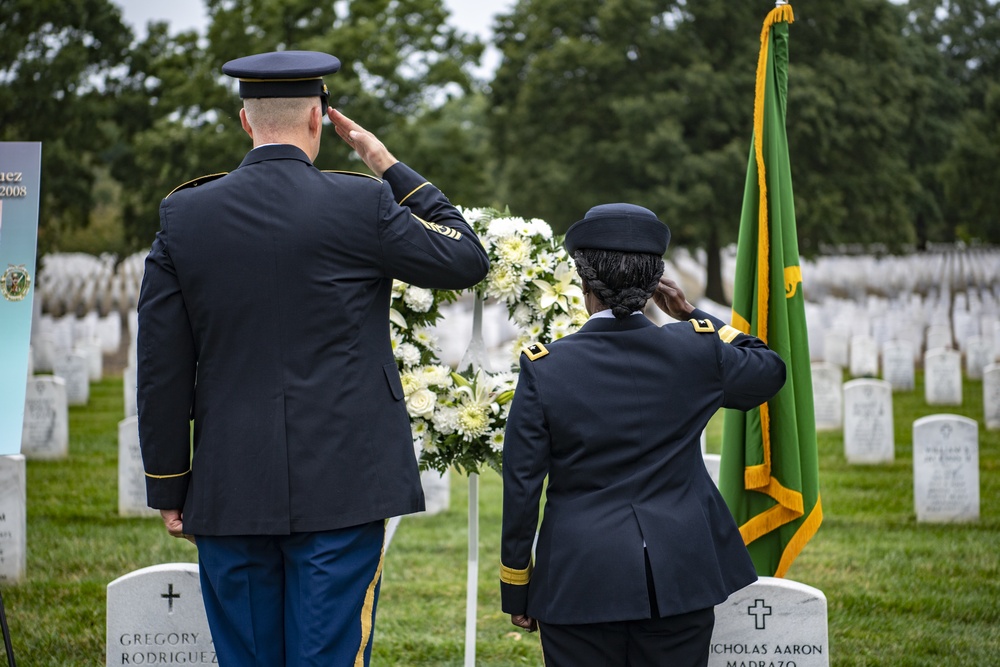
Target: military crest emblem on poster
{"x":15,"y":282}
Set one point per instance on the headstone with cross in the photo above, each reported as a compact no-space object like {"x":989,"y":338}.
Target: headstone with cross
{"x":155,"y":616}
{"x":771,"y":622}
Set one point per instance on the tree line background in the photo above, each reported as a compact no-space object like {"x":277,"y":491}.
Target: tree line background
{"x":893,"y":111}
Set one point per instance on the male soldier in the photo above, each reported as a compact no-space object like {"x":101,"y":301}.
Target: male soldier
{"x":264,"y":318}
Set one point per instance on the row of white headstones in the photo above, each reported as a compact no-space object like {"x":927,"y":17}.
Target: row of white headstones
{"x":155,"y":614}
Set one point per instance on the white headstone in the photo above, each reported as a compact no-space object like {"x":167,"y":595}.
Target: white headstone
{"x":46,"y":419}
{"x":863,"y":357}
{"x":991,"y":396}
{"x":835,"y":348}
{"x":827,"y":382}
{"x":943,"y":377}
{"x":91,"y":348}
{"x":131,"y":476}
{"x":110,"y":332}
{"x":938,"y":336}
{"x":43,"y":352}
{"x":946,"y":469}
{"x":13,"y":519}
{"x":713,"y":462}
{"x":868,"y":425}
{"x":978,"y":355}
{"x":156,"y":616}
{"x":771,"y":622}
{"x":129,"y":390}
{"x":74,"y":368}
{"x":437,"y":490}
{"x":897,"y":365}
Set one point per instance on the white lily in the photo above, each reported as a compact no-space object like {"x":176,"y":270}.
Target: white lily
{"x":561,"y":291}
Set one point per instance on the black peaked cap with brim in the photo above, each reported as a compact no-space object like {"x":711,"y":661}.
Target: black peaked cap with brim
{"x":621,"y":227}
{"x":282,"y":73}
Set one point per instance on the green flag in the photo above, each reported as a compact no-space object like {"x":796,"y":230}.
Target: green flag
{"x":769,"y":473}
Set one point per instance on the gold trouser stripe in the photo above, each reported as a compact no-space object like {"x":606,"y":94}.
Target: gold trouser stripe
{"x":168,"y":476}
{"x":414,"y":190}
{"x":514,"y":577}
{"x":367,"y":609}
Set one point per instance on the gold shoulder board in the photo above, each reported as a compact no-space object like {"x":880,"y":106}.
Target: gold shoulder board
{"x":702,"y":326}
{"x":535,"y":351}
{"x":351,"y":173}
{"x":195,"y":182}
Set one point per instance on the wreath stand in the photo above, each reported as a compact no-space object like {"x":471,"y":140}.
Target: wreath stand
{"x":475,"y":356}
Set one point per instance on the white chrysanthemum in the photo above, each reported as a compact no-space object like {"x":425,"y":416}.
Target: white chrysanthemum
{"x":426,"y":338}
{"x":522,"y":315}
{"x":540,"y":228}
{"x":445,"y":420}
{"x":514,"y":250}
{"x":408,"y":353}
{"x":503,"y":227}
{"x":546,"y":261}
{"x":560,"y":327}
{"x":435,"y":376}
{"x":495,"y":440}
{"x":421,"y":403}
{"x":418,"y":299}
{"x":419,"y":429}
{"x":534,"y":331}
{"x":473,"y":215}
{"x":473,"y":420}
{"x":504,"y":283}
{"x":411,"y":383}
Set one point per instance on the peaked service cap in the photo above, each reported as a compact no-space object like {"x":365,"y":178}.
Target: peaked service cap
{"x":283,"y":73}
{"x":621,"y":227}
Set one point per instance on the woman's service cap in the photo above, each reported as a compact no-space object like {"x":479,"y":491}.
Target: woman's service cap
{"x":283,"y":73}
{"x":621,"y":227}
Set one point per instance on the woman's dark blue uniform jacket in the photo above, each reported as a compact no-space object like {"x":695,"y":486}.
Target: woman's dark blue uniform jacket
{"x":613,"y":415}
{"x":264,"y":317}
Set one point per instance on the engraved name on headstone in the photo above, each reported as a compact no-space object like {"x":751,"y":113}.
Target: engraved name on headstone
{"x":946,"y":469}
{"x":155,"y":616}
{"x":771,"y":622}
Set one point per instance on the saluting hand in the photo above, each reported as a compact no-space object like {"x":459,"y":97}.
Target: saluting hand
{"x":671,"y":300}
{"x":372,"y":151}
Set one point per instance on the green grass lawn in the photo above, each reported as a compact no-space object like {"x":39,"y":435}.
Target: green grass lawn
{"x":899,"y":594}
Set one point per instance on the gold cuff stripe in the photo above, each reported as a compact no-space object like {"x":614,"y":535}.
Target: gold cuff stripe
{"x":425,"y":183}
{"x":515,"y":577}
{"x":728,"y":333}
{"x":168,"y":476}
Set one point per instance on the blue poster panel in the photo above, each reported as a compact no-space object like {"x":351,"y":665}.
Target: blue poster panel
{"x":20,"y":177}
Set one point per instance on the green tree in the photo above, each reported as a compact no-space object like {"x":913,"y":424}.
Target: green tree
{"x":400,"y":57}
{"x":54,"y":63}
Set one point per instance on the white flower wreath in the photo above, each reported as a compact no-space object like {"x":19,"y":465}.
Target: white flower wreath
{"x":458,"y":418}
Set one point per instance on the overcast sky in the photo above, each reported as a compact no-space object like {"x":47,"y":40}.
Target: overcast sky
{"x":474,"y":16}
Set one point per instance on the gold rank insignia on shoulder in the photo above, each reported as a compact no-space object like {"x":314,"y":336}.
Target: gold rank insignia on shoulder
{"x":702,"y":326}
{"x":728,"y":333}
{"x":534,"y":351}
{"x":351,"y":173}
{"x":443,"y":230}
{"x":195,"y":182}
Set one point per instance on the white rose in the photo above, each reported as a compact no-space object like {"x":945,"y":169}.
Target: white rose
{"x":421,"y":403}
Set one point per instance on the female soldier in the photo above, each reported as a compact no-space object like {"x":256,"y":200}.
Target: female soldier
{"x":637,"y":545}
